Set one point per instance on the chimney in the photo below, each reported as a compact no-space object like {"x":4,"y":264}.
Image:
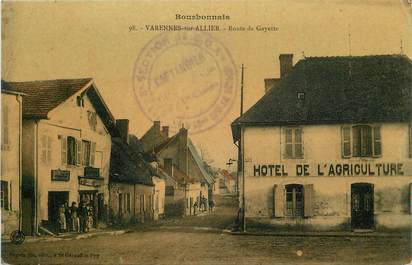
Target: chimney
{"x":286,"y":64}
{"x":123,"y":126}
{"x":168,"y":166}
{"x":156,"y":126}
{"x":183,"y":150}
{"x":165,"y":131}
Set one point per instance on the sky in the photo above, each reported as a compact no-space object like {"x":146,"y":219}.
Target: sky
{"x":56,"y":40}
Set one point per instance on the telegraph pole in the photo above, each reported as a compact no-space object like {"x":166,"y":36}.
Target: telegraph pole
{"x":240,"y":157}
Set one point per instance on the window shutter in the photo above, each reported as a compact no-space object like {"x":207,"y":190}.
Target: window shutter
{"x":410,"y":140}
{"x":308,"y":200}
{"x":63,"y":141}
{"x":44,"y":148}
{"x":274,"y":200}
{"x":279,"y":201}
{"x":49,"y":148}
{"x":6,"y":194}
{"x":78,"y":152}
{"x":377,"y":143}
{"x":410,"y":198}
{"x":288,"y":143}
{"x":298,"y":143}
{"x":346,"y":142}
{"x":5,"y":125}
{"x":92,"y":153}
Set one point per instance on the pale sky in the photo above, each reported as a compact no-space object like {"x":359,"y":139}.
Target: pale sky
{"x":73,"y":40}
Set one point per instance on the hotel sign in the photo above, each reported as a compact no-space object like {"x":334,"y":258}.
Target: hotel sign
{"x":330,"y":169}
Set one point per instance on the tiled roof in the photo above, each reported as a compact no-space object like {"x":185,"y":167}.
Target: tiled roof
{"x":348,"y":89}
{"x":200,"y":163}
{"x":127,"y":167}
{"x":43,"y":96}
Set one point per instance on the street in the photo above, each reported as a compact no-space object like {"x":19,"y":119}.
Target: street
{"x":163,"y":245}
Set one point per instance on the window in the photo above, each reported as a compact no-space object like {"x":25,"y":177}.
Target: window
{"x":46,"y":148}
{"x":128,"y":208}
{"x":79,"y":101}
{"x":361,"y":141}
{"x":92,"y":118}
{"x":5,"y":125}
{"x":294,"y":200}
{"x":121,"y":199}
{"x":293,"y":143}
{"x":301,"y":95}
{"x":4,"y":195}
{"x":71,"y":151}
{"x":86,"y":152}
{"x":410,"y":140}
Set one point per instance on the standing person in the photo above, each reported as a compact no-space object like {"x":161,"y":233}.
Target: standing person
{"x":68,"y":214}
{"x":204,"y":203}
{"x":62,"y":219}
{"x":211,"y":204}
{"x":89,"y":216}
{"x":82,"y":213}
{"x":74,"y":218}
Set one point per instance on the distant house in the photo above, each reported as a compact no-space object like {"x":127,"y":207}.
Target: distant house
{"x":229,"y":181}
{"x":182,"y":191}
{"x":137,"y":194}
{"x":11,"y":160}
{"x":180,"y":152}
{"x":66,"y":141}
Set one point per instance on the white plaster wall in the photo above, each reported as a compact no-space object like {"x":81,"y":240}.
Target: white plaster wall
{"x":322,"y":144}
{"x":68,"y":120}
{"x":10,"y":162}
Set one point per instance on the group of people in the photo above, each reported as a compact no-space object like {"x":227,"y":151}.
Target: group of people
{"x":75,"y":219}
{"x":203,"y":204}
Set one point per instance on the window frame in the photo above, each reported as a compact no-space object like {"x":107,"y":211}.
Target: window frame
{"x":292,"y":144}
{"x":374,"y":143}
{"x":291,"y":207}
{"x":4,"y":195}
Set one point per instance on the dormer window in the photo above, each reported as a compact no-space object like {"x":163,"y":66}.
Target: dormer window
{"x":80,"y":101}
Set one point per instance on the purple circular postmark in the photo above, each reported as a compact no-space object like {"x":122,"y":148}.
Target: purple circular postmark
{"x":185,"y":78}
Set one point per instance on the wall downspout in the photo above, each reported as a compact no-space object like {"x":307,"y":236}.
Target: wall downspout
{"x":20,"y":101}
{"x":36,"y":173}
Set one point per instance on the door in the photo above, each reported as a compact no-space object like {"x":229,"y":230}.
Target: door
{"x":362,"y":206}
{"x":27,"y":219}
{"x":55,"y":200}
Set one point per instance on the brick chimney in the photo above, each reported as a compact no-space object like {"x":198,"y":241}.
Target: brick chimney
{"x":156,"y":126}
{"x":286,"y":64}
{"x":123,"y":126}
{"x":165,"y":131}
{"x":183,"y":150}
{"x":168,"y":166}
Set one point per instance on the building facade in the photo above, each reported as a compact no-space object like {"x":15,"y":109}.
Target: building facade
{"x":178,"y":152}
{"x":11,"y":160}
{"x":137,"y":194}
{"x":67,"y":131}
{"x":329,"y":146}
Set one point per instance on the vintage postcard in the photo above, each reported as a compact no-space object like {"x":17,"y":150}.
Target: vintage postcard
{"x":206,"y":132}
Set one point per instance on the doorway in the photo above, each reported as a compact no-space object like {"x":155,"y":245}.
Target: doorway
{"x":90,"y":199}
{"x":55,"y":200}
{"x":362,"y":212}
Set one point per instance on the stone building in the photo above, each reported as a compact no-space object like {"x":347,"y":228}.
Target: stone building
{"x":329,"y":146}
{"x":11,"y":160}
{"x":67,"y":130}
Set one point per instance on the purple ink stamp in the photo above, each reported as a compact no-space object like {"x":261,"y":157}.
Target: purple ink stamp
{"x":185,"y":78}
